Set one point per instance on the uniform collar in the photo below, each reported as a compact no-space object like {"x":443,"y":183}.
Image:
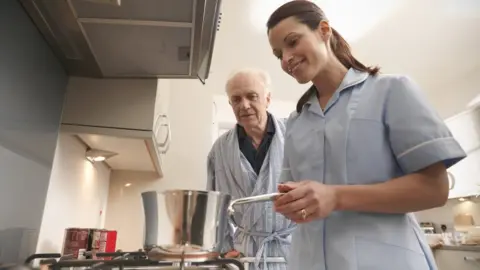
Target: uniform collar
{"x":242,"y":134}
{"x":352,"y":78}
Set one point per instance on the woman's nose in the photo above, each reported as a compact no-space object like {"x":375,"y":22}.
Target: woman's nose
{"x":287,"y":59}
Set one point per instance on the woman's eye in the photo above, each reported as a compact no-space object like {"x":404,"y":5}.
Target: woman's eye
{"x":292,"y":43}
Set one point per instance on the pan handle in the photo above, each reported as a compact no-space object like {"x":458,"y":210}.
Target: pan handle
{"x":248,"y":200}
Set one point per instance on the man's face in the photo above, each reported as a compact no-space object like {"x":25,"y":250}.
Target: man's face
{"x":249,"y":100}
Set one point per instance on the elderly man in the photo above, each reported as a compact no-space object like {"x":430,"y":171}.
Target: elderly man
{"x":247,"y":161}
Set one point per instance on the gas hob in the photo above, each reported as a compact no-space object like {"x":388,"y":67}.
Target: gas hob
{"x":127,"y":260}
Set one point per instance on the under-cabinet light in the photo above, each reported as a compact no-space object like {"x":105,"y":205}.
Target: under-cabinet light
{"x":97,"y":155}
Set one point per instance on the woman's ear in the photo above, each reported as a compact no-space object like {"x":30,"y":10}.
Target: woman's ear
{"x":325,"y":30}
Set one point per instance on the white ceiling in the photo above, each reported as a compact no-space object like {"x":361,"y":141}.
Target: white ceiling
{"x":434,"y":41}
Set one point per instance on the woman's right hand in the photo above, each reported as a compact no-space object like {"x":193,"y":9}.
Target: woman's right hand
{"x":284,"y":188}
{"x":232,"y":254}
{"x":305,"y":201}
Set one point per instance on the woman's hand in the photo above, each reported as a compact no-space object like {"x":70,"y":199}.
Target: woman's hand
{"x":232,"y":254}
{"x":305,"y":201}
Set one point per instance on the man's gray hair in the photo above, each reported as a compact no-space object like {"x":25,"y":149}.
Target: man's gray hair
{"x":261,"y":74}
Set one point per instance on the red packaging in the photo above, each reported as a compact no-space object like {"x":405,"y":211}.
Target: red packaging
{"x":79,"y":240}
{"x":75,"y":240}
{"x":102,"y":243}
{"x":96,"y":243}
{"x":111,"y":242}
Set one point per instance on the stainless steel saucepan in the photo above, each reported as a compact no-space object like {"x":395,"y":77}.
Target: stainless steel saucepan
{"x":189,"y":224}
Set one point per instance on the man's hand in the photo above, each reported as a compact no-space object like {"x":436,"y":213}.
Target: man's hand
{"x":232,"y":254}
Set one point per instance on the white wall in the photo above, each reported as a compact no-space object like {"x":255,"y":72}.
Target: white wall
{"x":184,"y":166}
{"x":125,"y":203}
{"x":77,"y":194}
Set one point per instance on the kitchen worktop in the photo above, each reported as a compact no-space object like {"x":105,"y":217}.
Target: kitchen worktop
{"x":475,"y":248}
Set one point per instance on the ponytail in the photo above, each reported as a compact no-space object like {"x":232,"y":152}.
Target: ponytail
{"x":342,"y":51}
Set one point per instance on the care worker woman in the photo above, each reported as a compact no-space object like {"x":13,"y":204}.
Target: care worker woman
{"x":362,"y":151}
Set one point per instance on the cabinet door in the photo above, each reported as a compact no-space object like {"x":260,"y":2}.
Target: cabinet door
{"x":455,"y":260}
{"x":110,"y":103}
{"x":162,"y":99}
{"x":466,"y":129}
{"x":466,"y":176}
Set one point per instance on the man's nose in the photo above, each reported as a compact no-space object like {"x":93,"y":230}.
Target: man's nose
{"x":245,"y":104}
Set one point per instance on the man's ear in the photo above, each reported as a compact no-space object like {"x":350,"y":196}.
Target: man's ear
{"x":268,"y":97}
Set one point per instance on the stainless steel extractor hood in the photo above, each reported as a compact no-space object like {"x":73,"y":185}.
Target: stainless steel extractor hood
{"x":129,"y":38}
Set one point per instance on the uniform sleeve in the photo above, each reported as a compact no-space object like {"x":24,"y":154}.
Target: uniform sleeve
{"x":211,"y":185}
{"x":286,"y":174}
{"x":418,"y":136}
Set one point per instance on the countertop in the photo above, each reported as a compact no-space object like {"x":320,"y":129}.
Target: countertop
{"x":475,"y":248}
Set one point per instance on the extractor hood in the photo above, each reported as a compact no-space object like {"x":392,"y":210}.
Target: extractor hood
{"x":129,"y":38}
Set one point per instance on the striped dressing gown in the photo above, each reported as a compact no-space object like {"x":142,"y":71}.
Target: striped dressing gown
{"x":266,"y":234}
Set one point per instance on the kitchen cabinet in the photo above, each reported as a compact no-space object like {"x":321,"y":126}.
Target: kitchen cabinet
{"x":467,"y":176}
{"x":465,"y":127}
{"x":457,"y":259}
{"x":125,"y":104}
{"x":162,"y":102}
{"x":125,"y":116}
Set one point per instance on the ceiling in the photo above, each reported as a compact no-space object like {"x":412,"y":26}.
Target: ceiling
{"x":436,"y":42}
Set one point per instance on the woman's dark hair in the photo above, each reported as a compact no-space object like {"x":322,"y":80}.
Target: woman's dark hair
{"x":311,"y":15}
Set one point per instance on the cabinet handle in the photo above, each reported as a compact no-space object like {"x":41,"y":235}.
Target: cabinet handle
{"x":471,"y":259}
{"x":451,"y":181}
{"x":166,"y":144}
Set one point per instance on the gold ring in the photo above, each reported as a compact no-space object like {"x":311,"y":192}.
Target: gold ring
{"x":303,"y":213}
